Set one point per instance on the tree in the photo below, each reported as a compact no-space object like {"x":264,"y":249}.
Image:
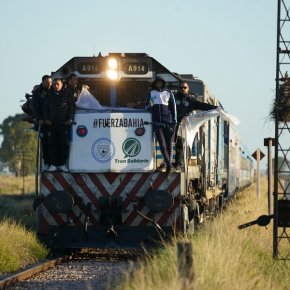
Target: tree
{"x":18,"y":148}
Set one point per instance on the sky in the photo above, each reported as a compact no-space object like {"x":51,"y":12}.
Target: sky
{"x":229,"y":44}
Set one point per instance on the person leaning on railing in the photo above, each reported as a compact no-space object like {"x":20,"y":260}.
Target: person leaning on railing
{"x":59,"y":116}
{"x":185,"y":104}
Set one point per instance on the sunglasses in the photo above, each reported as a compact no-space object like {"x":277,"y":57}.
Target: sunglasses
{"x":183,"y":87}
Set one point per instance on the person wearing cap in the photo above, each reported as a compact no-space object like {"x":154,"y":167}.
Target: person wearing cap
{"x":162,"y":105}
{"x":185,"y":104}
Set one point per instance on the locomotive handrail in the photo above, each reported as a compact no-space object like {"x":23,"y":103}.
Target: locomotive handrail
{"x":37,"y":161}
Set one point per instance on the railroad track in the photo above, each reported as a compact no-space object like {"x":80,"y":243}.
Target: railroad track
{"x":89,"y":269}
{"x":26,"y":274}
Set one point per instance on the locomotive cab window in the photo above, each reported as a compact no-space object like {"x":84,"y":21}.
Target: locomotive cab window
{"x":119,"y":94}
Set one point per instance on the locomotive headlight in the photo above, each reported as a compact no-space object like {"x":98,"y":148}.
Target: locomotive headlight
{"x":112,"y":63}
{"x":112,"y":74}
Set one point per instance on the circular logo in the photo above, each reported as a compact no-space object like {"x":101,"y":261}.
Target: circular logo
{"x":82,"y":131}
{"x":131,"y":147}
{"x":103,"y":150}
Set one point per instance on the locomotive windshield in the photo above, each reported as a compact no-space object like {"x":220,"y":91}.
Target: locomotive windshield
{"x":119,"y":94}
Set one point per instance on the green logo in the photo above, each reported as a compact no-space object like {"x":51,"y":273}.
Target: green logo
{"x":131,"y":147}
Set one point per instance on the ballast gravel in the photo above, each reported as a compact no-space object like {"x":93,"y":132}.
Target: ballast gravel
{"x":79,"y":275}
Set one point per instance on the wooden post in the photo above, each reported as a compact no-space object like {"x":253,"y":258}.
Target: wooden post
{"x":258,"y":155}
{"x":185,"y":264}
{"x":258,"y":173}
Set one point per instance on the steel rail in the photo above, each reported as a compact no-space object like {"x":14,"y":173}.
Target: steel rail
{"x":24,"y":275}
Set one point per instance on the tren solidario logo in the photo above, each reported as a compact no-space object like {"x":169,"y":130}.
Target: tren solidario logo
{"x":131,"y":147}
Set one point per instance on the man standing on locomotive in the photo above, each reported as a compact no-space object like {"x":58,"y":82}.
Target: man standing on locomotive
{"x":72,"y":84}
{"x":59,"y":117}
{"x":162,"y":105}
{"x":185,"y":104}
{"x":39,"y":102}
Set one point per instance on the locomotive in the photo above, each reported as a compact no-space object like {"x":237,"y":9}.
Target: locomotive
{"x":113,"y":196}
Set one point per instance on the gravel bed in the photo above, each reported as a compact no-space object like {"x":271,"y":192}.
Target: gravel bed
{"x":79,"y":275}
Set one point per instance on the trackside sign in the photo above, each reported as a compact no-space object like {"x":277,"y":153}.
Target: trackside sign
{"x":107,"y":142}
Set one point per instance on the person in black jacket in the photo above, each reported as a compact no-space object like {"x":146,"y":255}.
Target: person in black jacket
{"x":72,"y":84}
{"x":39,"y":100}
{"x":162,"y":105}
{"x":59,"y":116}
{"x":185,"y":104}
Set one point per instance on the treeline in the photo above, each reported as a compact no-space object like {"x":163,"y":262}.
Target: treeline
{"x":19,"y":145}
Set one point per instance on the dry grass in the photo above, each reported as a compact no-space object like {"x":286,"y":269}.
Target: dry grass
{"x":224,"y":257}
{"x":14,"y":204}
{"x":19,"y":208}
{"x":14,"y":185}
{"x":18,"y":247}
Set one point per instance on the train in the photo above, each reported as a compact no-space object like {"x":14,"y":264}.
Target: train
{"x":113,"y":195}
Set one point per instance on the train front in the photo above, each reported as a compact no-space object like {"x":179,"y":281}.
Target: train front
{"x":112,"y":195}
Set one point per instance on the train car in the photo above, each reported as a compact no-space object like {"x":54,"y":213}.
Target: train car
{"x":113,"y":196}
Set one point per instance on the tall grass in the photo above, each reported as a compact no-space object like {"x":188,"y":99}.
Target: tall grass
{"x":14,"y":204}
{"x":18,"y":247}
{"x":19,"y":208}
{"x":224,"y":257}
{"x":14,"y":185}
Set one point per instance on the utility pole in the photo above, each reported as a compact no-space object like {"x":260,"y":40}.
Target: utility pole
{"x":258,"y":155}
{"x":281,"y":115}
{"x":269,"y":142}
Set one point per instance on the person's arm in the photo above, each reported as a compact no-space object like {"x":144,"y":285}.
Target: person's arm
{"x":36,"y":105}
{"x":172,"y":107}
{"x":46,"y":110}
{"x":71,"y":104}
{"x":196,"y":105}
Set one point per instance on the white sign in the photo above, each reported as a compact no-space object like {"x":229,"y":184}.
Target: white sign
{"x":107,"y":142}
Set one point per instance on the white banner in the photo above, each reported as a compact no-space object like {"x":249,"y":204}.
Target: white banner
{"x":191,"y":124}
{"x":107,"y":142}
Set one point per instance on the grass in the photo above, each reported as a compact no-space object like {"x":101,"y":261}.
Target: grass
{"x":224,"y":257}
{"x":18,"y":247}
{"x":14,"y":185}
{"x":13,"y":203}
{"x":19,"y":208}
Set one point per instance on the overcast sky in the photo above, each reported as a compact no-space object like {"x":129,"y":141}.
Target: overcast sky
{"x":229,"y":44}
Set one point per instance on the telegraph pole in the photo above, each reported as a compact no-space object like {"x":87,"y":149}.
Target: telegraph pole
{"x":281,"y":114}
{"x":269,"y":142}
{"x":258,"y":155}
